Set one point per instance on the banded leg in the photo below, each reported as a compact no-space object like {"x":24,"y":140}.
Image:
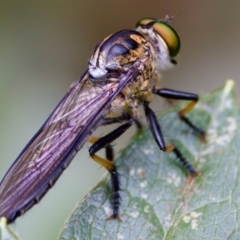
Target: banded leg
{"x":158,"y":136}
{"x":105,"y":142}
{"x":109,"y":152}
{"x":179,"y":95}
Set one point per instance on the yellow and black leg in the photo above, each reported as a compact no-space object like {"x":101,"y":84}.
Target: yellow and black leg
{"x":105,"y":142}
{"x":158,"y":136}
{"x":179,"y":95}
{"x":109,"y":151}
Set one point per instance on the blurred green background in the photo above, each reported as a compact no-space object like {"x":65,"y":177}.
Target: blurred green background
{"x":45,"y":46}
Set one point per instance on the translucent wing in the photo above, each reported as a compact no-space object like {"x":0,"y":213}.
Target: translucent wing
{"x":53,"y":147}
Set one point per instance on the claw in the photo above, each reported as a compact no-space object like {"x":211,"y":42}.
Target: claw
{"x":118,"y":217}
{"x":191,"y":176}
{"x":203,"y":137}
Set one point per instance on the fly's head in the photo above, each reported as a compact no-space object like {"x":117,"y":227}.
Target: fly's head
{"x":115,"y":55}
{"x":164,"y":39}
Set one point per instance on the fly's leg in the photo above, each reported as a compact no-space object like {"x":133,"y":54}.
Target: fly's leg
{"x":179,"y":95}
{"x":158,"y":136}
{"x":109,"y":151}
{"x":105,"y":142}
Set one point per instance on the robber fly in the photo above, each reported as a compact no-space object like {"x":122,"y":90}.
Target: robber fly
{"x":122,"y":74}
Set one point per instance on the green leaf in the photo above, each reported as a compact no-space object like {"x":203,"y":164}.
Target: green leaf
{"x":157,"y":201}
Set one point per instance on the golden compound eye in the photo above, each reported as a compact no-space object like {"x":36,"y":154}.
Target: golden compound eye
{"x":169,"y":35}
{"x":165,"y":31}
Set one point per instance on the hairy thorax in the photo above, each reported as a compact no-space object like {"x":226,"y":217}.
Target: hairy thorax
{"x":117,"y":56}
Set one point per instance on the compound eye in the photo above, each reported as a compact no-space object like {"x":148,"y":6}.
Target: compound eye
{"x":169,"y":35}
{"x":145,"y":21}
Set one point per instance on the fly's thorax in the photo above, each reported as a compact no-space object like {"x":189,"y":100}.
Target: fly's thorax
{"x":140,"y":88}
{"x":114,"y":57}
{"x":133,"y":94}
{"x":123,"y":107}
{"x":117,"y":54}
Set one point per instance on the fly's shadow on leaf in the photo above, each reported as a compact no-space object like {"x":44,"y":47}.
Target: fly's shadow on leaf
{"x":157,"y":201}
